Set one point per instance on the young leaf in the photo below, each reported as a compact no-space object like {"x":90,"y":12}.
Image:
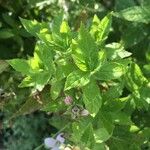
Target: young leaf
{"x":92,"y":98}
{"x":64,"y":28}
{"x":76,"y":78}
{"x":34,"y":27}
{"x":100,"y":29}
{"x":94,"y":26}
{"x":85,"y":51}
{"x":104,"y":28}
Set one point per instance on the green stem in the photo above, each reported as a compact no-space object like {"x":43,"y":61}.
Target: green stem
{"x":39,"y":147}
{"x":42,"y":145}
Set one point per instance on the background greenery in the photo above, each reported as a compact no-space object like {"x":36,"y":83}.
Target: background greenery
{"x":16,"y":42}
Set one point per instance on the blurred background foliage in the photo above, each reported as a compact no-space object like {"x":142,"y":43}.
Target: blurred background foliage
{"x":28,"y":131}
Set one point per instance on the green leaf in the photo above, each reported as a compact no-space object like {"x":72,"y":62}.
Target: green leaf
{"x":6,"y":33}
{"x":99,"y":146}
{"x":118,"y":144}
{"x":92,"y":98}
{"x":133,"y":34}
{"x":9,"y":20}
{"x":64,"y":28}
{"x":56,"y":25}
{"x":64,"y":68}
{"x":100,"y":29}
{"x":85,"y":51}
{"x":40,"y":79}
{"x":113,"y":92}
{"x":56,"y":88}
{"x":123,"y":4}
{"x":141,"y":97}
{"x":104,"y":27}
{"x":37,"y":80}
{"x":137,"y":74}
{"x":104,"y":126}
{"x":136,"y":14}
{"x":122,"y":138}
{"x":145,"y":94}
{"x":45,"y":55}
{"x":60,"y":38}
{"x":57,"y":121}
{"x":79,"y":128}
{"x":101,"y":61}
{"x":88,"y":137}
{"x":134,"y":78}
{"x":115,"y":105}
{"x":33,"y":104}
{"x":112,"y":70}
{"x":21,"y":65}
{"x":94,"y":26}
{"x":34,"y":27}
{"x":27,"y":82}
{"x":76,"y":79}
{"x":28,"y":107}
{"x":101,"y":135}
{"x":79,"y":57}
{"x":121,"y":118}
{"x":116,"y":51}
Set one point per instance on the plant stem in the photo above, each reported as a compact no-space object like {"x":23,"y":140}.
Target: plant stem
{"x":39,"y":147}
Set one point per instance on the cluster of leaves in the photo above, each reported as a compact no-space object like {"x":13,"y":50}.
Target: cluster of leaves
{"x":98,"y":75}
{"x":90,"y":65}
{"x":11,"y":32}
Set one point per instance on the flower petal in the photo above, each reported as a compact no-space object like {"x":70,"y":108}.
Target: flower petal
{"x":56,"y":148}
{"x":84,"y":112}
{"x":49,"y":142}
{"x":60,"y":138}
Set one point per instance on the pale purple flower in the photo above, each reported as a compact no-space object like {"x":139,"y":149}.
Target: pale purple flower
{"x":60,"y":138}
{"x":68,"y":100}
{"x":54,"y":144}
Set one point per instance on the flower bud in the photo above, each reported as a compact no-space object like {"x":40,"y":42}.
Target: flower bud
{"x":68,"y":100}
